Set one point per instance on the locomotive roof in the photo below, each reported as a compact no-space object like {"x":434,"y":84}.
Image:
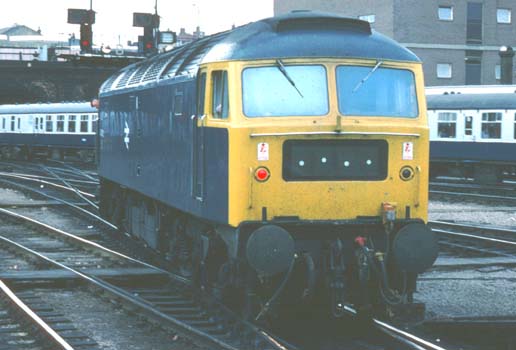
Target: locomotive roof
{"x":297,"y":34}
{"x":36,"y":108}
{"x":472,"y":101}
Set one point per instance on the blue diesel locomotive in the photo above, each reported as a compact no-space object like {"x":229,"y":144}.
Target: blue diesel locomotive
{"x":284,"y":161}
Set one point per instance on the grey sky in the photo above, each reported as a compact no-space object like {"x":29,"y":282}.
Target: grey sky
{"x":114,"y":17}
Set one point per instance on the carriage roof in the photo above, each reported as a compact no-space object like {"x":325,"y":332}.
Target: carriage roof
{"x":48,"y":108}
{"x":298,"y":34}
{"x":472,"y":101}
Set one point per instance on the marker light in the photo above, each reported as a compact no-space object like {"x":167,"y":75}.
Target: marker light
{"x":262,"y":174}
{"x":406,"y":173}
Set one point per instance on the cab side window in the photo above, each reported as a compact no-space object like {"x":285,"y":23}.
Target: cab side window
{"x":220,"y":99}
{"x":202,"y":94}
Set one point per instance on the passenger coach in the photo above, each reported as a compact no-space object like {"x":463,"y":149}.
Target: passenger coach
{"x":473,"y":134}
{"x":48,"y":129}
{"x":279,"y":162}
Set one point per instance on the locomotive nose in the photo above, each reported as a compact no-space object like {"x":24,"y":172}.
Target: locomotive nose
{"x":415,"y":248}
{"x":270,"y":250}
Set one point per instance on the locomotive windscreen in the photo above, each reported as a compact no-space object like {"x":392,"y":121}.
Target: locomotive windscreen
{"x":334,"y":160}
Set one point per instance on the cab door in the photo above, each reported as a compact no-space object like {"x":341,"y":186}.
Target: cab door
{"x":198,"y":149}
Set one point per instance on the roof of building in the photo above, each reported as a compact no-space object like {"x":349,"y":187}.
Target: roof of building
{"x":19,"y":30}
{"x":298,"y":34}
{"x":471,"y":101}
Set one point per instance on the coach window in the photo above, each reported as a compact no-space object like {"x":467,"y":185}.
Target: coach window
{"x":491,"y":125}
{"x":94,"y":122}
{"x":515,"y":125}
{"x":72,"y":120}
{"x":19,"y":124}
{"x":468,"y":125}
{"x":48,"y":124}
{"x":60,"y":123}
{"x":84,"y":123}
{"x":3,"y":123}
{"x":13,"y":121}
{"x":446,"y":125}
{"x":220,"y":106}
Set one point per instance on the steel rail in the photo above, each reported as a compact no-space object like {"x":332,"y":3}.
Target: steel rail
{"x":145,"y":306}
{"x":469,"y":235}
{"x":42,"y":325}
{"x":410,"y":339}
{"x":45,"y":182}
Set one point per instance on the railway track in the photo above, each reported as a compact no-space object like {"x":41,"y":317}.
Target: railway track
{"x":159,"y":295}
{"x":502,"y":192}
{"x":495,"y":244}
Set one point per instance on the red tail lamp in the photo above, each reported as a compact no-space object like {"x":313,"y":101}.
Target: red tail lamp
{"x":262,"y":174}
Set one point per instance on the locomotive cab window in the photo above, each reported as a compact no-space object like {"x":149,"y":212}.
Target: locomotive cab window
{"x":202,"y":94}
{"x":220,"y":106}
{"x":285,"y":90}
{"x":492,"y":125}
{"x":447,"y":125}
{"x":376,"y":91}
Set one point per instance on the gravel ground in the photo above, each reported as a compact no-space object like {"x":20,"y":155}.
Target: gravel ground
{"x":111,"y":327}
{"x":489,"y":213}
{"x":470,"y":292}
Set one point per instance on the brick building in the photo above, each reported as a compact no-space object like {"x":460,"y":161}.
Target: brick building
{"x":457,"y":40}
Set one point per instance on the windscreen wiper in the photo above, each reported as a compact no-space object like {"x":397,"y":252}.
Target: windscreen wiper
{"x":361,"y":82}
{"x":283,"y":71}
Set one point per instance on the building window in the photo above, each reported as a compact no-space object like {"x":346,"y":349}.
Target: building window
{"x":468,"y":125}
{"x":492,"y":125}
{"x":368,"y":18}
{"x":473,"y":61}
{"x":498,"y":72}
{"x":60,"y":123}
{"x":445,"y":13}
{"x":474,"y":23}
{"x":444,"y":70}
{"x":220,"y":94}
{"x":71,"y":123}
{"x":446,"y":125}
{"x":503,"y":16}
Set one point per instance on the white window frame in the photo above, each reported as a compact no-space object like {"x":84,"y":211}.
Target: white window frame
{"x":442,"y":15}
{"x":498,"y":121}
{"x":503,"y":16}
{"x":368,"y":18}
{"x":447,"y":117}
{"x":444,"y":75}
